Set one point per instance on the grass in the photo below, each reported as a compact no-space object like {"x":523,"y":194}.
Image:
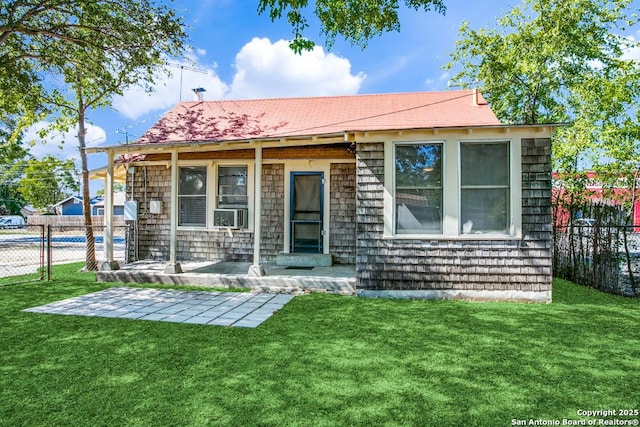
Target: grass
{"x":322,"y":360}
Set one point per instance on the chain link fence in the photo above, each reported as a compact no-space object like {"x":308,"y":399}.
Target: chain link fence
{"x":22,"y":253}
{"x":29,"y":253}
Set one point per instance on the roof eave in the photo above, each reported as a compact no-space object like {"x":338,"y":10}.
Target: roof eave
{"x":162,"y":146}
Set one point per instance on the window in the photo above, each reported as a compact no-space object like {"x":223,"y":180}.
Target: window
{"x":192,"y":196}
{"x":232,"y":187}
{"x":484,"y":188}
{"x":418,"y":188}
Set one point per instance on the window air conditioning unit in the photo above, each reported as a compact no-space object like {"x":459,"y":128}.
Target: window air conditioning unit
{"x":230,"y":218}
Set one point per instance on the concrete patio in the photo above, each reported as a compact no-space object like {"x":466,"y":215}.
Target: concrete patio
{"x":339,"y":279}
{"x":239,"y":309}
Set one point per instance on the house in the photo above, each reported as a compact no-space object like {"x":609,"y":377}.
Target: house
{"x":28,"y":210}
{"x":427,"y":194}
{"x":72,"y":205}
{"x":97,"y":208}
{"x":597,"y":192}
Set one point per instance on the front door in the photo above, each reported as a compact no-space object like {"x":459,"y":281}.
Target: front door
{"x":306,"y":212}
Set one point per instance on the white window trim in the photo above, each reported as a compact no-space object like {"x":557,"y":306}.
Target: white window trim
{"x":442,"y":143}
{"x":212,"y":190}
{"x":515,"y":190}
{"x":250,"y":188}
{"x":451,"y":195}
{"x":192,"y":227}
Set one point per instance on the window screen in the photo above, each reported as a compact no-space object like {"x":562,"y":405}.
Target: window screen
{"x":232,"y":187}
{"x":418,"y":189}
{"x":485,"y":187}
{"x":192,"y":196}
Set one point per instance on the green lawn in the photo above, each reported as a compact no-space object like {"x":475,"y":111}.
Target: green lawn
{"x":323,"y":360}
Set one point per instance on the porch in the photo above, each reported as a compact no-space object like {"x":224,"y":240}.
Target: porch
{"x":338,"y":279}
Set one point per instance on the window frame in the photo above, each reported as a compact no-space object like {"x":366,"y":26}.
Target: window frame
{"x":508,"y":187}
{"x":441,"y":143}
{"x":212,"y":191}
{"x":451,"y":179}
{"x":180,"y":197}
{"x":217,"y":196}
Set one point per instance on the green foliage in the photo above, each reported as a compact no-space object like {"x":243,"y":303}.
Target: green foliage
{"x":322,"y":360}
{"x":12,"y":157}
{"x":88,"y":51}
{"x":358,"y":21}
{"x":552,"y":61}
{"x":52,"y":37}
{"x":117,"y":187}
{"x":47,"y":181}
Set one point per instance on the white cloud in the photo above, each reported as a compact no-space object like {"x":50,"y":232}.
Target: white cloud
{"x":265,"y":69}
{"x":63,"y":145}
{"x":632,"y":53}
{"x":262,"y":70}
{"x":169,"y":90}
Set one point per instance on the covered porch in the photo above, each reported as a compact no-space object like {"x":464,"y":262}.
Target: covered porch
{"x":338,"y":279}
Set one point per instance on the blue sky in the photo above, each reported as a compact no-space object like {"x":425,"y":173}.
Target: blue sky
{"x":244,"y":55}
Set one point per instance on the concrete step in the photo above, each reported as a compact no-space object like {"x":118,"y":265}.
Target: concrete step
{"x":304,"y":260}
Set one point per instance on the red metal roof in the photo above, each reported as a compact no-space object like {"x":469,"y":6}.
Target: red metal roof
{"x":295,"y":117}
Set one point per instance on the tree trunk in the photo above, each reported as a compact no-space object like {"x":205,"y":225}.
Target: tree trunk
{"x":90,"y":259}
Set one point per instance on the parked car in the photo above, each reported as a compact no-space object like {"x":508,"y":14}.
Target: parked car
{"x":585,"y":222}
{"x":14,"y":221}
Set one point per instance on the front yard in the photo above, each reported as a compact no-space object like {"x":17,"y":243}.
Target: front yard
{"x":321,"y":360}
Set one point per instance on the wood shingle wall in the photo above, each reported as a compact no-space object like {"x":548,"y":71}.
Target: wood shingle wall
{"x":449,"y":264}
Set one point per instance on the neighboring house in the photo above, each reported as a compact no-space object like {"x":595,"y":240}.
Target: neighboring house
{"x":596,"y":192}
{"x":427,"y":194}
{"x":97,"y":209}
{"x":72,"y":205}
{"x":28,"y":210}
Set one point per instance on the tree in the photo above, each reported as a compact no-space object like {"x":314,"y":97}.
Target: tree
{"x":553,"y":61}
{"x":117,"y":188}
{"x":88,"y":51}
{"x":47,"y":181}
{"x":358,"y":21}
{"x":12,"y":158}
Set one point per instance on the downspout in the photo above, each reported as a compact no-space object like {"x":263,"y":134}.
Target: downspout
{"x":173,"y":266}
{"x":256,"y":270}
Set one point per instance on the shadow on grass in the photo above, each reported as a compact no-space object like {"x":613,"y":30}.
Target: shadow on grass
{"x":321,"y":360}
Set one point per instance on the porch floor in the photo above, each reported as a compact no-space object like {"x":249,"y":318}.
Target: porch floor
{"x":340,"y":279}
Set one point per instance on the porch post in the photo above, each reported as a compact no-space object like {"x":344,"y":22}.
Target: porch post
{"x":173,"y":266}
{"x":256,"y":270}
{"x":109,"y":264}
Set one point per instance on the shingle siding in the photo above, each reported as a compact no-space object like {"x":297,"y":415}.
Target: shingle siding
{"x":479,"y":265}
{"x":342,"y":240}
{"x":210,"y":245}
{"x":273,"y":204}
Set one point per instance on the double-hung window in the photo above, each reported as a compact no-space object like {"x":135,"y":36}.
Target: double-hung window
{"x":418,"y":188}
{"x":192,"y":196}
{"x":232,"y":187}
{"x":484,"y":188}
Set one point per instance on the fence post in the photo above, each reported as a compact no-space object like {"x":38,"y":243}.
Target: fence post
{"x":49,"y":250}
{"x":42,"y":249}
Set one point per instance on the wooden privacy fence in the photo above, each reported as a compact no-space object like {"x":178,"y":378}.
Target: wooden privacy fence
{"x":71,"y":220}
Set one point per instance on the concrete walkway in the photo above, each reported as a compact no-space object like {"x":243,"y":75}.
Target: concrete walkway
{"x":242,"y":309}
